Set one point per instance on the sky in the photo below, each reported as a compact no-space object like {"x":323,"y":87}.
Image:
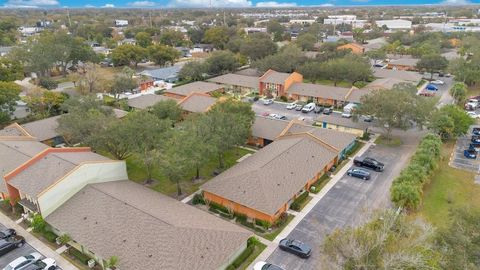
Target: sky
{"x":215,"y":3}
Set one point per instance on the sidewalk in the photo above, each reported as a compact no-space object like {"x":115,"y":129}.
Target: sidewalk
{"x":37,"y":244}
{"x":272,"y":245}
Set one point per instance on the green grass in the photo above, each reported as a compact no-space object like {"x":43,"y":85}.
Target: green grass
{"x":393,"y":142}
{"x":320,"y":183}
{"x":449,"y":189}
{"x":136,"y":172}
{"x":277,"y":231}
{"x":303,"y":203}
{"x":259,"y":247}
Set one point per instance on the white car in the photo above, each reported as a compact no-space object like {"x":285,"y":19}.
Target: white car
{"x":267,"y":101}
{"x":346,"y":114}
{"x":46,"y":264}
{"x":266,"y":266}
{"x":24,"y":261}
{"x":440,"y":82}
{"x":473,"y":115}
{"x":291,"y":106}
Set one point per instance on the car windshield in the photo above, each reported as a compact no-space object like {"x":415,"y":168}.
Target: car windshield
{"x":41,"y":264}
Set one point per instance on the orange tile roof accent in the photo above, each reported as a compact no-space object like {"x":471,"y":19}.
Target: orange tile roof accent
{"x":27,"y":136}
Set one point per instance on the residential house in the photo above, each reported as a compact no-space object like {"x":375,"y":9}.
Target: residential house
{"x":145,"y":101}
{"x":239,"y":84}
{"x":354,"y":47}
{"x":277,"y":83}
{"x":265,"y":130}
{"x":263,"y":186}
{"x":406,"y":64}
{"x":320,"y":94}
{"x":184,"y":90}
{"x":197,"y":103}
{"x":413,"y":77}
{"x":338,"y":123}
{"x":167,"y":74}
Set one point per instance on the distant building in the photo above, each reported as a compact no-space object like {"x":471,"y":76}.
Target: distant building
{"x":251,"y":30}
{"x":345,"y":19}
{"x":395,"y":24}
{"x":167,"y":74}
{"x":354,"y":47}
{"x":27,"y":31}
{"x":302,"y":22}
{"x":121,"y":23}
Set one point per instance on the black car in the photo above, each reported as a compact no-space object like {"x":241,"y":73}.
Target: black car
{"x":295,"y":247}
{"x":7,"y":233}
{"x":359,"y":173}
{"x":476,"y":131}
{"x":475,"y":147}
{"x":475,"y":139}
{"x":369,"y":163}
{"x":318,"y":109}
{"x":11,"y":243}
{"x":327,"y":111}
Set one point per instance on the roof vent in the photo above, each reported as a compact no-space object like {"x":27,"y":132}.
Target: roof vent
{"x":84,"y":218}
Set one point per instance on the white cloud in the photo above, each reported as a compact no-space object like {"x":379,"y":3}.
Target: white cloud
{"x":142,"y":4}
{"x":275,"y":4}
{"x":327,"y":5}
{"x":456,"y":2}
{"x":31,"y":3}
{"x":208,"y":3}
{"x":89,"y":6}
{"x":108,"y":6}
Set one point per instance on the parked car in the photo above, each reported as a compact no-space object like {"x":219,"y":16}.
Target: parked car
{"x":277,"y":116}
{"x":295,"y":247}
{"x":291,"y":106}
{"x":438,"y":82}
{"x":7,"y":233}
{"x":427,"y":94}
{"x":11,"y":243}
{"x":21,"y":263}
{"x":298,"y":107}
{"x":473,"y":115}
{"x":267,"y":101}
{"x":475,"y":139}
{"x":45,"y":264}
{"x":471,"y":104}
{"x":346,"y":115}
{"x":369,"y":163}
{"x":476,"y":131}
{"x":327,"y":111}
{"x":266,"y":266}
{"x":470,"y":154}
{"x":368,"y":118}
{"x":318,"y":109}
{"x":431,"y":87}
{"x":359,"y":173}
{"x":475,"y":147}
{"x":308,"y":108}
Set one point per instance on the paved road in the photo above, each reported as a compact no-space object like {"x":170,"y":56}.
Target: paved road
{"x":458,"y":160}
{"x":280,"y":108}
{"x":346,"y":204}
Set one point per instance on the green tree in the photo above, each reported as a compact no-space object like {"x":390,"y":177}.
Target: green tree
{"x":167,"y":110}
{"x":193,"y":71}
{"x":396,"y":108}
{"x":123,"y":82}
{"x":45,"y":103}
{"x":221,"y":62}
{"x":359,"y":35}
{"x":218,"y":36}
{"x":458,"y":92}
{"x":466,"y":71}
{"x":432,"y":63}
{"x":275,"y":28}
{"x":387,"y":241}
{"x":161,"y":54}
{"x":257,"y":46}
{"x":306,"y":41}
{"x":10,"y":70}
{"x":376,"y":55}
{"x":450,"y":122}
{"x":172,"y":38}
{"x":9,"y":95}
{"x":143,"y":39}
{"x":112,"y":262}
{"x":288,"y":59}
{"x":128,"y":54}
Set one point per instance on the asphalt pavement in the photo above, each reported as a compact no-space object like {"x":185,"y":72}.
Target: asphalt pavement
{"x":18,"y":252}
{"x":458,"y":160}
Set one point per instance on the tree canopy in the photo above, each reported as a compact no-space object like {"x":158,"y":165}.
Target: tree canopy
{"x":9,"y":95}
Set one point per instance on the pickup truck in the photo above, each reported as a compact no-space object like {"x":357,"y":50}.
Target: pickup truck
{"x":369,"y":163}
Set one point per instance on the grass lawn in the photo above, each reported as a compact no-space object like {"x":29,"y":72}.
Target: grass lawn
{"x":473,"y":91}
{"x":259,"y":247}
{"x":450,"y":188}
{"x":277,"y":231}
{"x":136,"y":172}
{"x":388,"y":142}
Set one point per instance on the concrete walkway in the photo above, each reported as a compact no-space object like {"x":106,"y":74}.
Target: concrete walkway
{"x":37,"y":244}
{"x":272,"y":245}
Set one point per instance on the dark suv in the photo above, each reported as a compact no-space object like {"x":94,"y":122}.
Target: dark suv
{"x":11,"y":243}
{"x":369,"y":163}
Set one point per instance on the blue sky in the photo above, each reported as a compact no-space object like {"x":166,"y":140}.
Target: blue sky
{"x":216,"y":3}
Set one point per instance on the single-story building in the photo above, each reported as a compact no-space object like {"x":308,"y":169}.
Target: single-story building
{"x":407,"y":64}
{"x":144,"y":101}
{"x":385,"y":83}
{"x":235,"y":83}
{"x":354,"y":47}
{"x":338,"y":123}
{"x":413,"y":77}
{"x":263,"y":186}
{"x":265,"y":130}
{"x":167,"y":74}
{"x":319,"y":93}
{"x":182,"y":91}
{"x":197,"y":103}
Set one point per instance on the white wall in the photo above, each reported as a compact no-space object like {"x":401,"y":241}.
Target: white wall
{"x":85,"y":174}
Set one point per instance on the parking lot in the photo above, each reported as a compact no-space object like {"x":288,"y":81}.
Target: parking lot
{"x":344,"y":205}
{"x":458,"y":160}
{"x":280,"y":108}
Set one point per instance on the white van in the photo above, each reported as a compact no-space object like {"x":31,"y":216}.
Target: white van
{"x":308,"y":108}
{"x":349,"y":108}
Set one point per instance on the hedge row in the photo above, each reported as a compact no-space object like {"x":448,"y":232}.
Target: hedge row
{"x":407,"y":188}
{"x":297,"y":204}
{"x":251,"y":243}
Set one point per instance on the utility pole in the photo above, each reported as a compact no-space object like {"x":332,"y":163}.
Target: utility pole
{"x":68,"y":16}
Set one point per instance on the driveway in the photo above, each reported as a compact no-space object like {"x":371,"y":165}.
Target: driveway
{"x":280,"y":108}
{"x":458,"y":160}
{"x":346,"y":204}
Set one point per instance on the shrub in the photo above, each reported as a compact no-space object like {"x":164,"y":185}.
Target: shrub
{"x":64,"y":239}
{"x":281,"y":220}
{"x":38,"y":223}
{"x":263,"y":223}
{"x":242,"y":257}
{"x":47,"y":83}
{"x":218,"y":207}
{"x":252,"y":241}
{"x":79,"y":255}
{"x":297,"y":204}
{"x":241,"y":217}
{"x":198,"y":199}
{"x":283,"y":98}
{"x":50,"y":236}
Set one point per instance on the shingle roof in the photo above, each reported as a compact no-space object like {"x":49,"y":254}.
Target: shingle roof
{"x":340,"y":140}
{"x":397,"y":74}
{"x":145,"y":101}
{"x":199,"y":87}
{"x":162,"y":73}
{"x":197,"y":102}
{"x":272,"y":76}
{"x":43,"y":129}
{"x":268,"y":128}
{"x":249,"y":72}
{"x":319,"y":90}
{"x":237,"y":80}
{"x":14,"y":130}
{"x":46,"y":171}
{"x":145,"y":229}
{"x":385,"y":83}
{"x":268,"y":179}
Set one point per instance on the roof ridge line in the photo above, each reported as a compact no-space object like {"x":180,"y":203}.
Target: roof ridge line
{"x":322,"y":142}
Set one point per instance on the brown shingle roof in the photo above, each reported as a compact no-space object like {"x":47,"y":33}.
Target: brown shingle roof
{"x":272,"y":76}
{"x":237,"y":80}
{"x":340,"y":140}
{"x":198,"y":87}
{"x":145,"y":101}
{"x":397,"y":74}
{"x":197,"y":102}
{"x":43,"y":129}
{"x":319,"y":90}
{"x":268,"y":179}
{"x":14,"y":130}
{"x":405,"y":62}
{"x":268,"y":128}
{"x":145,"y":229}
